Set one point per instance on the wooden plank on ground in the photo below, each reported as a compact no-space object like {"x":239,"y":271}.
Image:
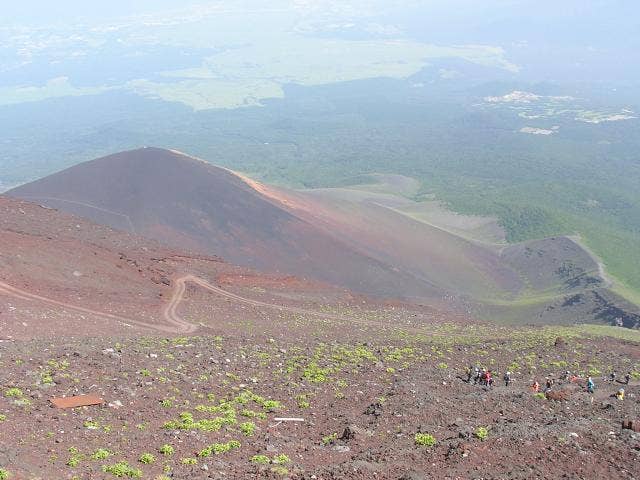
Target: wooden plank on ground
{"x":77,"y":401}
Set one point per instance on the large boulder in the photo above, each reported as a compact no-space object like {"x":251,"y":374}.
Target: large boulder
{"x":633,"y":425}
{"x":558,"y":395}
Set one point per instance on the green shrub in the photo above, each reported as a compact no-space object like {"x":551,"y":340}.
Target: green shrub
{"x":166,"y":450}
{"x":147,"y":458}
{"x":248,"y":428}
{"x":280,"y":470}
{"x":271,"y":405}
{"x":329,"y":439}
{"x":75,"y":458}
{"x":481,"y":433}
{"x":187,"y":422}
{"x":100,"y":454}
{"x":253,"y":414}
{"x":122,"y":469}
{"x":13,"y":393}
{"x":260,"y":459}
{"x":4,"y":475}
{"x":316,"y":374}
{"x":281,"y":459}
{"x":425,"y":440}
{"x":218,"y":448}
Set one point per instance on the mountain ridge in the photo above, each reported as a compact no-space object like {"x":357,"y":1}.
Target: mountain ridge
{"x":366,"y":243}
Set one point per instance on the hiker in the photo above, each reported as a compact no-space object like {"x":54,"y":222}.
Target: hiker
{"x":535,"y":387}
{"x":627,"y":378}
{"x":469,"y":374}
{"x":507,"y":379}
{"x":620,"y":394}
{"x":590,"y":385}
{"x":612,"y":377}
{"x":549,"y":384}
{"x":476,"y":377}
{"x":489,"y":379}
{"x":567,"y":375}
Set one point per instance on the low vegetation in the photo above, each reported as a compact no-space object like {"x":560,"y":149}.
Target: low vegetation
{"x":400,"y":388}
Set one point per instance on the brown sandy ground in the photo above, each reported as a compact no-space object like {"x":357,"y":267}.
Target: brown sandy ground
{"x":364,"y":394}
{"x":366,"y":376}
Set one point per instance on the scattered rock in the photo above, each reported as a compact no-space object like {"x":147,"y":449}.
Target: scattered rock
{"x":413,"y":475}
{"x":374,"y":409}
{"x":558,"y":395}
{"x":348,"y":434}
{"x":458,"y":422}
{"x":633,"y":425}
{"x":111,"y":353}
{"x":560,"y":342}
{"x":365,"y":466}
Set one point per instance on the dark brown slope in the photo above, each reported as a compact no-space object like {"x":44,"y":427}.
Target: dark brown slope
{"x":188,"y":203}
{"x":362,"y":245}
{"x":62,"y":276}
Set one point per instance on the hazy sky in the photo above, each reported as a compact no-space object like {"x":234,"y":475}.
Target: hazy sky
{"x":47,"y":11}
{"x":570,"y":21}
{"x":228,"y":52}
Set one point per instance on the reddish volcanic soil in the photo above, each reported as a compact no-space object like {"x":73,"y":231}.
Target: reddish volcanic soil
{"x":361,"y":405}
{"x":197,"y":360}
{"x":186,"y":202}
{"x":86,"y":279}
{"x":351,"y":239}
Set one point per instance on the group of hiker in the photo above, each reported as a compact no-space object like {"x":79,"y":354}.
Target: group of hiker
{"x":612,"y":378}
{"x":485,"y":377}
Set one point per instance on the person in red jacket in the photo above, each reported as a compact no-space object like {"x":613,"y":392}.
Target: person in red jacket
{"x":489,"y":378}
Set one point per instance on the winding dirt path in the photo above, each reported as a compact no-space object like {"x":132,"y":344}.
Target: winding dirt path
{"x":577,"y":239}
{"x":174,"y":322}
{"x":170,"y":310}
{"x":83,"y":204}
{"x":24,"y":295}
{"x":180,"y":288}
{"x":255,"y":303}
